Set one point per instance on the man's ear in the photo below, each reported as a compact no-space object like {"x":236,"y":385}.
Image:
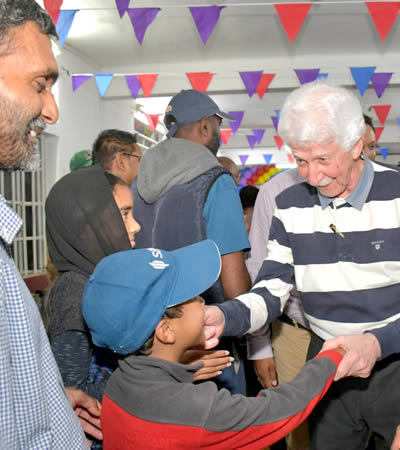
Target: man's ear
{"x":119,"y":161}
{"x":357,"y":149}
{"x":164,"y":332}
{"x":205,"y":129}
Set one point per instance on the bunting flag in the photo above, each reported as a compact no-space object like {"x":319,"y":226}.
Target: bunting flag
{"x":378,"y":133}
{"x":322,"y":76}
{"x":292,"y":16}
{"x":291,"y":158}
{"x":382,"y":112}
{"x":147,"y":82}
{"x":122,"y":6}
{"x":307,"y":75}
{"x":236,"y":124}
{"x":259,"y":134}
{"x":64,"y":23}
{"x":243,"y":159}
{"x":152,"y":120}
{"x":133,"y":84}
{"x":264,"y":83}
{"x":103,"y":80}
{"x":383,"y":15}
{"x":384,"y":151}
{"x":251,"y":139}
{"x":141,"y":18}
{"x":380,"y":81}
{"x":200,"y":80}
{"x":77,"y":80}
{"x":362,"y":76}
{"x":251,"y":80}
{"x":205,"y":19}
{"x":225,"y":135}
{"x":53,"y":8}
{"x":267,"y":158}
{"x":278,"y":113}
{"x":398,"y":120}
{"x":275,"y":121}
{"x":278,"y":141}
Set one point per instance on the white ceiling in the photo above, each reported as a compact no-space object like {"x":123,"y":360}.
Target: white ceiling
{"x":249,"y":36}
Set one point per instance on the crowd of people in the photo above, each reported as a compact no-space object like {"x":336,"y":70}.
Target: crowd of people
{"x":161,"y":268}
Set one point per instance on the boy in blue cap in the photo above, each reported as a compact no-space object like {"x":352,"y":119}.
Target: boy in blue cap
{"x":145,"y":304}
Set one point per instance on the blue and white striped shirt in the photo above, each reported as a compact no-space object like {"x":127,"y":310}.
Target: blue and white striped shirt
{"x":35,"y":412}
{"x":349,"y":282}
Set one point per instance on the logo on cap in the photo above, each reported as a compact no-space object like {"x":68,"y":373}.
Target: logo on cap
{"x":169,"y":108}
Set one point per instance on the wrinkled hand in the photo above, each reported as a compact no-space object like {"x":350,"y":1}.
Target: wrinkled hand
{"x":362,"y":351}
{"x":266,"y":372}
{"x":396,"y":440}
{"x":214,"y":324}
{"x":88,"y":410}
{"x":214,"y":362}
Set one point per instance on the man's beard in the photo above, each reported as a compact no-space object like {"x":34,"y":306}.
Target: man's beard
{"x":16,"y":150}
{"x":214,"y":143}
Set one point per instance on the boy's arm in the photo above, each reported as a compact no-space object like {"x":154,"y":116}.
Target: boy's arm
{"x":238,"y":421}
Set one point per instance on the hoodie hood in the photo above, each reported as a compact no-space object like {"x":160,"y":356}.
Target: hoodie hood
{"x":171,"y":163}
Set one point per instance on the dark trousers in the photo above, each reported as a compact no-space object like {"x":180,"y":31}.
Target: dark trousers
{"x":352,"y":406}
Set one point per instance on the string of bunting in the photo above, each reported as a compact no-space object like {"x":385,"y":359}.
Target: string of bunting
{"x":291,"y":16}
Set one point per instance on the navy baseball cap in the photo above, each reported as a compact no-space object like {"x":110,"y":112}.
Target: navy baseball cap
{"x":128,"y":292}
{"x":190,"y":106}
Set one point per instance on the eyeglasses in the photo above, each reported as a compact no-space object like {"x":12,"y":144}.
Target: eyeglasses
{"x":131,"y":154}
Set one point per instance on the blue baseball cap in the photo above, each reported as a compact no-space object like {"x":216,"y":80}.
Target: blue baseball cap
{"x":190,"y":106}
{"x":128,"y":292}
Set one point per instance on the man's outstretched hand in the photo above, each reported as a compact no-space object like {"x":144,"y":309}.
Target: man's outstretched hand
{"x":214,"y":324}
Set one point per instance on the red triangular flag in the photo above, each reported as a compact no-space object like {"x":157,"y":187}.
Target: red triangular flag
{"x":53,"y":8}
{"x":383,"y":15}
{"x":225,"y":135}
{"x":152,"y":119}
{"x":147,"y":82}
{"x":292,"y":16}
{"x":382,"y":112}
{"x":264,"y":83}
{"x":378,"y":132}
{"x":200,"y":80}
{"x":278,"y":141}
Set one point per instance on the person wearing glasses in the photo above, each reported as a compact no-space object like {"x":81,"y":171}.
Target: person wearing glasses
{"x":369,"y":138}
{"x":118,"y":152}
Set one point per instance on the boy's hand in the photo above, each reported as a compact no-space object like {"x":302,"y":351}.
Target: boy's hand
{"x":214,"y":362}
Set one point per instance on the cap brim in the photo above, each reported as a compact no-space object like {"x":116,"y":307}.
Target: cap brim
{"x":199,"y":268}
{"x":225,"y":115}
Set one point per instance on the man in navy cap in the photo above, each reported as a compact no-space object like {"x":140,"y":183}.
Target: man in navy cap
{"x":183,"y":195}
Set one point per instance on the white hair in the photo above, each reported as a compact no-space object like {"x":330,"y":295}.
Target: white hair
{"x":320,"y":113}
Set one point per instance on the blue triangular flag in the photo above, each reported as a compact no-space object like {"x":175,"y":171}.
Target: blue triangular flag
{"x":322,"y":76}
{"x":384,"y":151}
{"x":398,"y":120}
{"x":278,"y":113}
{"x":103,"y":80}
{"x":267,"y":158}
{"x":362,"y":76}
{"x":64,"y":23}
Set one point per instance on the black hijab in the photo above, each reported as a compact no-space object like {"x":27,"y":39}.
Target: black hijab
{"x":83,"y":222}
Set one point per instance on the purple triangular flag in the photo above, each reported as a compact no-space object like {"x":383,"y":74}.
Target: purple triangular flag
{"x":322,"y":76}
{"x":103,"y":80}
{"x":275,"y":121}
{"x":133,"y":84}
{"x":362,"y":76}
{"x":251,"y":80}
{"x":384,"y":151}
{"x":77,"y":80}
{"x":64,"y":23}
{"x":307,"y":75}
{"x":243,"y":159}
{"x":236,"y":124}
{"x":205,"y":19}
{"x":267,"y":158}
{"x":380,"y":81}
{"x":259,"y":134}
{"x":251,"y":139}
{"x":122,"y":6}
{"x":141,"y":18}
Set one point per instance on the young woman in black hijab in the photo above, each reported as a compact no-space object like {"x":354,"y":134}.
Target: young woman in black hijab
{"x":88,"y":216}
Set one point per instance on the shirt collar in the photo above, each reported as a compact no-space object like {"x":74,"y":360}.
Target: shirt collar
{"x":10,"y":222}
{"x":358,"y":197}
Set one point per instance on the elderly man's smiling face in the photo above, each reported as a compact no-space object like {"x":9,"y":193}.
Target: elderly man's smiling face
{"x":28,"y":70}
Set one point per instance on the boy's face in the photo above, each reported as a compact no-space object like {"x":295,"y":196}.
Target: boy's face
{"x":190,"y":325}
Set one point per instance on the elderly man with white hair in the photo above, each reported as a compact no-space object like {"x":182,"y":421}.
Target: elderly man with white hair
{"x":336,"y":237}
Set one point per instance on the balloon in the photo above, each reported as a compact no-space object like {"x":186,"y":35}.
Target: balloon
{"x":260,"y":180}
{"x":259,"y":171}
{"x":253,"y":169}
{"x":266,"y":177}
{"x":243,"y":181}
